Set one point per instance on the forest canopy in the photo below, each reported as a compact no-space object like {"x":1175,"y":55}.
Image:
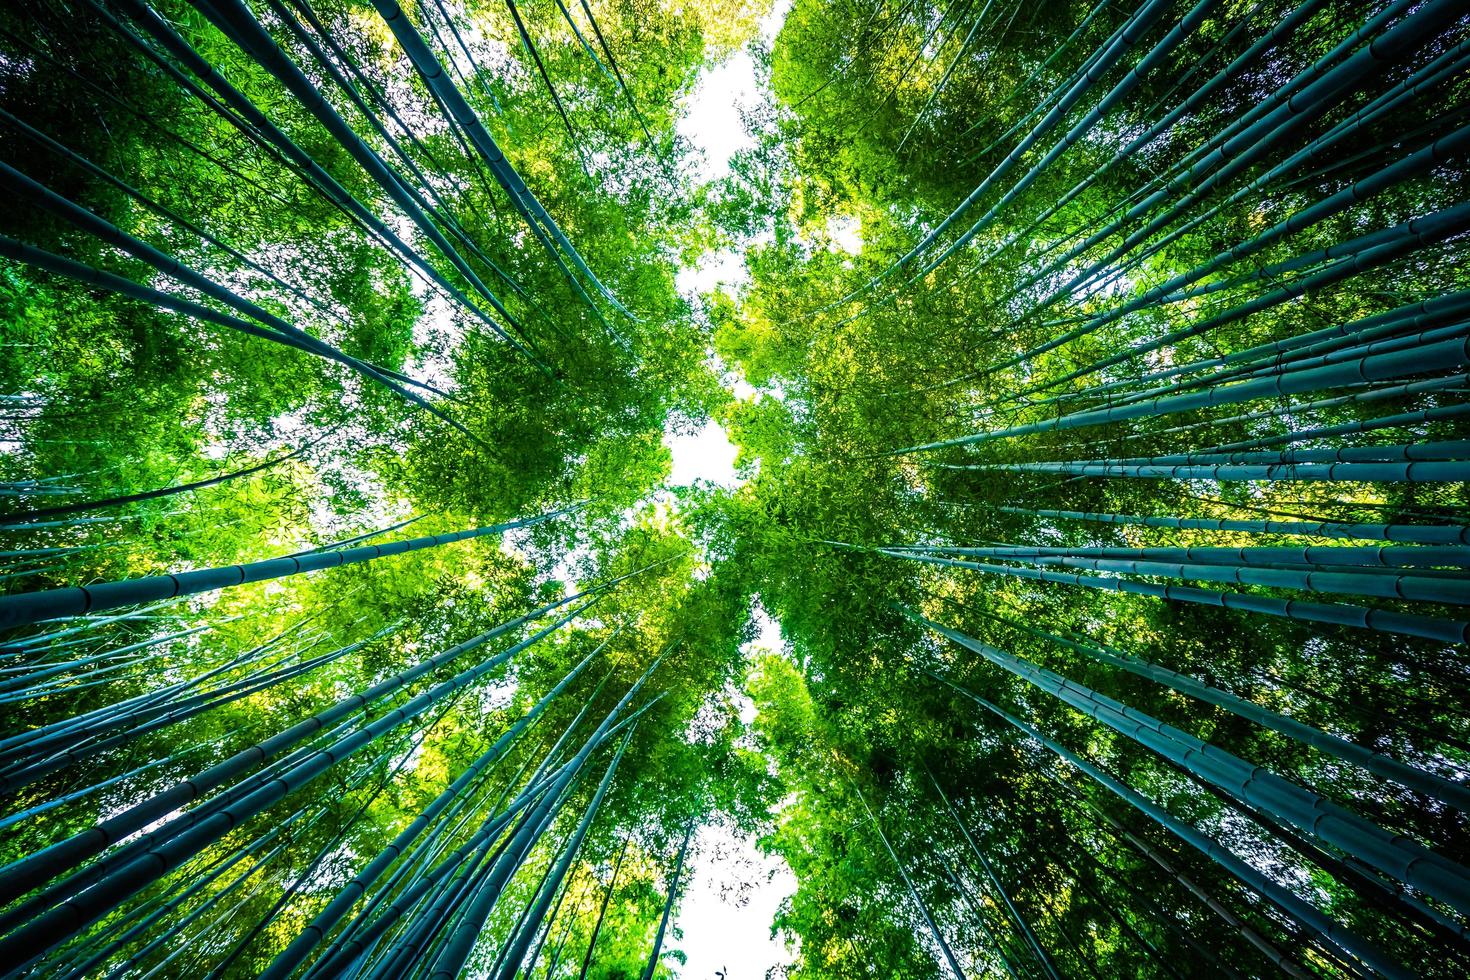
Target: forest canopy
{"x":1087,"y":598}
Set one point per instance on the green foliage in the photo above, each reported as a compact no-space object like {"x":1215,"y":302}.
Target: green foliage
{"x":1001,"y":289}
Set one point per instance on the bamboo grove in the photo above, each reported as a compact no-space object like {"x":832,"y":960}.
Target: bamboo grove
{"x":1097,"y":375}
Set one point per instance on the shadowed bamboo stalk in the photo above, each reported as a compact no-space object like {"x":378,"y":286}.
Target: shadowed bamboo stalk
{"x":1342,"y":614}
{"x":49,"y":929}
{"x":432,"y":72}
{"x":1406,"y":860}
{"x":1326,"y":930}
{"x":1450,"y":791}
{"x":1417,"y":533}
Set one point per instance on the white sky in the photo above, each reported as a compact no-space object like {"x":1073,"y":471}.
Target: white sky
{"x":734,"y":889}
{"x":707,"y":454}
{"x":846,"y":234}
{"x":711,"y":120}
{"x":725,"y":915}
{"x":723,"y":268}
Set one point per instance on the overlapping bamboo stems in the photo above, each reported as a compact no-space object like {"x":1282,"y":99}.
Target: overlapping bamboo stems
{"x":240,"y":111}
{"x":1379,"y":890}
{"x":1022,"y":926}
{"x":1166,"y":863}
{"x":1088,"y":886}
{"x":293,"y":889}
{"x":530,"y":46}
{"x":439,"y":209}
{"x":617,"y":72}
{"x":1417,"y":417}
{"x":252,"y":794}
{"x":1283,"y":468}
{"x":1360,"y":255}
{"x":1408,"y":533}
{"x":483,"y":887}
{"x":1395,"y":172}
{"x":1317,"y":83}
{"x":473,"y":78}
{"x":555,"y":851}
{"x":1233,"y":128}
{"x":1422,"y":80}
{"x":421,"y":860}
{"x":1246,"y":140}
{"x":1424,"y":314}
{"x":1176,"y":35}
{"x":1341,"y":614}
{"x":61,"y":265}
{"x":31,"y":607}
{"x":1429,"y":450}
{"x":430,"y":886}
{"x":1324,"y":930}
{"x":1393,"y":854}
{"x":236,"y":21}
{"x":167,"y":761}
{"x":353,"y":213}
{"x":31,"y":190}
{"x":488,"y":891}
{"x":541,"y":224}
{"x":1410,"y":389}
{"x":49,"y":737}
{"x":515,"y":951}
{"x":1035,"y":73}
{"x":1379,"y":763}
{"x":993,"y":944}
{"x":74,"y":744}
{"x":1279,"y":32}
{"x":350,"y":893}
{"x":1114,"y":49}
{"x":182,"y":884}
{"x":443,"y":212}
{"x":1442,"y":356}
{"x":323,"y":810}
{"x":26,"y":873}
{"x":919,"y":902}
{"x":552,"y":921}
{"x":441,"y":906}
{"x":166,"y":851}
{"x":1174,"y":290}
{"x":161,"y":210}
